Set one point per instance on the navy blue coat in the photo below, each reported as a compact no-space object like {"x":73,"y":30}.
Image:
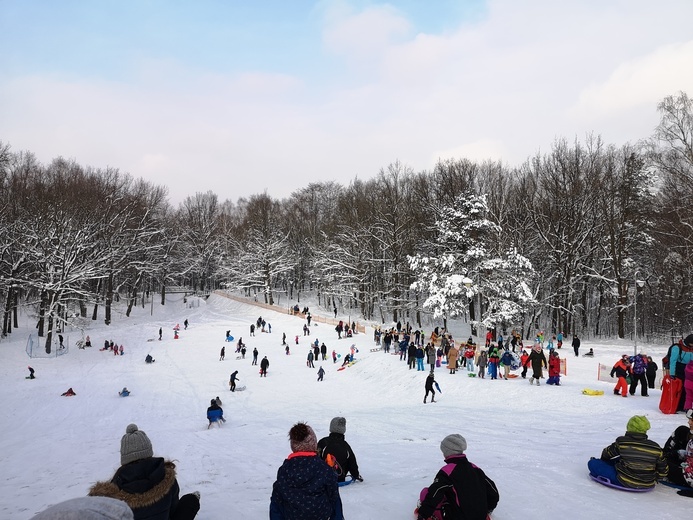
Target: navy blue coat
{"x":305,"y":489}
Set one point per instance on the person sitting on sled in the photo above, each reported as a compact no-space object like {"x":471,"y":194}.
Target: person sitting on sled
{"x":678,"y":451}
{"x":460,"y":489}
{"x":632,"y":460}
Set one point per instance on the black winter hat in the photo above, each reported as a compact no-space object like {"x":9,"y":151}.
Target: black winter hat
{"x":688,"y":341}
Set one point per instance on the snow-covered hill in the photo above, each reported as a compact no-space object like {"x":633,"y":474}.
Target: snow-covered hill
{"x":533,"y":441}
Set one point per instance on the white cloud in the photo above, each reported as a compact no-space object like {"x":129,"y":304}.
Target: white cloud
{"x":644,"y":80}
{"x":501,"y":88}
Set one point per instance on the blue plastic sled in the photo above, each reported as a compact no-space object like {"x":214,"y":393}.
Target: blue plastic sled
{"x":606,"y":482}
{"x":229,"y":338}
{"x":346,"y":482}
{"x":437,"y":386}
{"x":672,"y":485}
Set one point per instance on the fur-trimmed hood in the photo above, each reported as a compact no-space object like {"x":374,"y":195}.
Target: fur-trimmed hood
{"x":140,"y":484}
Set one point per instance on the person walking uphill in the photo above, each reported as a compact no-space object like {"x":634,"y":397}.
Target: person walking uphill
{"x":344,"y":460}
{"x":306,"y":487}
{"x":460,"y":489}
{"x":633,"y":460}
{"x":264,"y":365}
{"x":429,"y":387}
{"x":146,"y":483}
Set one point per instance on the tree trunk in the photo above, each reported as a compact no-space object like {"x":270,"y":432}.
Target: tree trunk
{"x":109,"y":297}
{"x":42,"y":314}
{"x":15,"y":306}
{"x":7,"y":318}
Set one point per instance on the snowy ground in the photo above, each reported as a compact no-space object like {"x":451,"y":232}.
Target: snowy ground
{"x":533,"y":441}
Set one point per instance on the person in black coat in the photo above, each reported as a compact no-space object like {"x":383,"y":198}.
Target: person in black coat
{"x":651,"y":372}
{"x":675,"y":450}
{"x":429,"y":387}
{"x":339,"y":448}
{"x":264,"y":365}
{"x":576,"y":345}
{"x":306,"y":487}
{"x":411,"y":356}
{"x":460,"y":489}
{"x":147,"y":484}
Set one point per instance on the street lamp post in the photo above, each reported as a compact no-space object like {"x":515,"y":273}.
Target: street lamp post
{"x":638,"y":283}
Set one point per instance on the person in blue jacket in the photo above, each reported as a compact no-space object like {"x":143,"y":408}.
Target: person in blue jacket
{"x":306,"y":487}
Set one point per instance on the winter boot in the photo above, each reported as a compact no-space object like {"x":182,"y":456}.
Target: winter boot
{"x":433,"y":400}
{"x":531,"y":380}
{"x":424,"y":400}
{"x":537,"y":382}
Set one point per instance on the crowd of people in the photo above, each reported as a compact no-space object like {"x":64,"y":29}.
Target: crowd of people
{"x":307,"y":483}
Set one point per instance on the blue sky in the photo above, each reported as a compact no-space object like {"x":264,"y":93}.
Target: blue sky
{"x":241,"y":97}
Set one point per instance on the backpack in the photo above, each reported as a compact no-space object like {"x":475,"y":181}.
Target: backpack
{"x":639,"y":365}
{"x":332,"y":462}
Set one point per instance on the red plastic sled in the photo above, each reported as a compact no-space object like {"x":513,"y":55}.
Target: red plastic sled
{"x":606,"y":482}
{"x":671,"y":394}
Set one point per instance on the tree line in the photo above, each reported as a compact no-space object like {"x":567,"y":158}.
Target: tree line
{"x":566,"y":241}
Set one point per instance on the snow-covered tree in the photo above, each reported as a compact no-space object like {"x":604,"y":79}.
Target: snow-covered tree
{"x":459,"y":265}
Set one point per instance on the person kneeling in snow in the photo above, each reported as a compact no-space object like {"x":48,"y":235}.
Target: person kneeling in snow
{"x":633,"y":460}
{"x":124,"y":392}
{"x":460,"y":489}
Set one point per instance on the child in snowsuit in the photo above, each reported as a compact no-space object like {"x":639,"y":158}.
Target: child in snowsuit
{"x":343,"y":457}
{"x":524,"y":361}
{"x":506,"y":360}
{"x":621,"y":369}
{"x":493,"y":361}
{"x":469,"y":356}
{"x":321,"y":373}
{"x":633,"y":460}
{"x":554,"y":369}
